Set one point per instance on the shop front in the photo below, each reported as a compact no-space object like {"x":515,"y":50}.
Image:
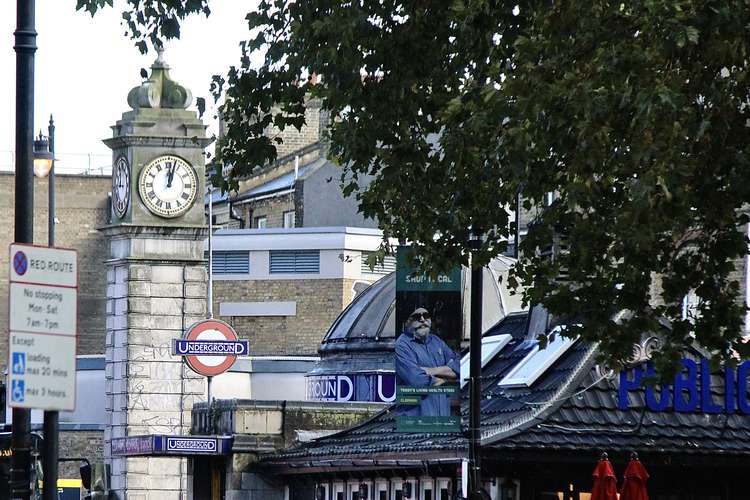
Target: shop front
{"x":548,"y":416}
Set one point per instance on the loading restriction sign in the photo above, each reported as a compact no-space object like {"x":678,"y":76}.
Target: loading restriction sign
{"x":210,"y":347}
{"x":43,"y":327}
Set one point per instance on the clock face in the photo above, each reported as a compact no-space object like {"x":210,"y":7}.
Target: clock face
{"x":168,"y":186}
{"x":121,"y":186}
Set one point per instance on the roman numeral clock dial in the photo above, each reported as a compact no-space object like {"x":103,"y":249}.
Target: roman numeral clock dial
{"x":168,"y":186}
{"x":121,"y":186}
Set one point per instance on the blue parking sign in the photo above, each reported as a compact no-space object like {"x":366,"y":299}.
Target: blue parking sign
{"x":19,"y":363}
{"x":18,"y":391}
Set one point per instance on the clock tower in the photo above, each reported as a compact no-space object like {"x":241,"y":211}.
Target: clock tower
{"x":156,"y":280}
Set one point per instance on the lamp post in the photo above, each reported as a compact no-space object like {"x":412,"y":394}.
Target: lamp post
{"x":25,"y":46}
{"x":475,"y":371}
{"x":44,"y":166}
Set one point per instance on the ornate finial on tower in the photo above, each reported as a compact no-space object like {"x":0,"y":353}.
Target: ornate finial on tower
{"x":160,"y":58}
{"x":160,"y":91}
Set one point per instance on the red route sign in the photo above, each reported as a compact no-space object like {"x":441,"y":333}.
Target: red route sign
{"x":210,"y":329}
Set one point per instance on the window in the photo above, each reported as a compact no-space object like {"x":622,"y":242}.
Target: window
{"x":530,"y":368}
{"x":690,"y":304}
{"x":261,"y":222}
{"x":289,"y":219}
{"x":388,"y":265}
{"x":229,"y":262}
{"x":294,"y":261}
{"x":490,"y":347}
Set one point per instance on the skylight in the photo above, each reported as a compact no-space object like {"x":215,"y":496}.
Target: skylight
{"x":536,"y":362}
{"x":490,"y":347}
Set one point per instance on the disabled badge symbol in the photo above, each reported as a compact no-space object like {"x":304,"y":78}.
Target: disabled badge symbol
{"x":19,"y":363}
{"x":18,"y":391}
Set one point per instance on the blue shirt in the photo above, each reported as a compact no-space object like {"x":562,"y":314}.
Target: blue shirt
{"x":411,"y":355}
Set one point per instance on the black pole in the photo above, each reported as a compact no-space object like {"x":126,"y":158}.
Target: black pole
{"x":25,"y":46}
{"x":475,"y":386}
{"x":51,"y":426}
{"x":51,"y":197}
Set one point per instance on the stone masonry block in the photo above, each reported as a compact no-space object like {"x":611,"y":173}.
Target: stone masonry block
{"x":258,"y":422}
{"x":195,"y":306}
{"x":155,"y":386}
{"x":164,"y":495}
{"x":140,"y":272}
{"x":195,"y":290}
{"x":156,"y":422}
{"x":154,"y":338}
{"x":139,"y":289}
{"x":166,"y":290}
{"x":137,"y":465}
{"x":157,"y":322}
{"x":166,"y":371}
{"x":149,"y":353}
{"x":166,"y":306}
{"x":167,"y":274}
{"x":195,"y":273}
{"x":121,"y":274}
{"x":164,"y":466}
{"x":120,"y":306}
{"x":190,"y":320}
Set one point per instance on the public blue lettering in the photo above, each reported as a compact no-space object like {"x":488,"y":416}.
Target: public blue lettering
{"x":628,"y":385}
{"x":691,"y":389}
{"x":685,"y":384}
{"x":665,"y":392}
{"x":730,"y":388}
{"x":707,"y":402}
{"x":742,"y":371}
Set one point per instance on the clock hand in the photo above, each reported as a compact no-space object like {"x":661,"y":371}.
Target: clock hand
{"x":170,"y":175}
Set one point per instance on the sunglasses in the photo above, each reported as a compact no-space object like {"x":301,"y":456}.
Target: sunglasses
{"x":424,"y":315}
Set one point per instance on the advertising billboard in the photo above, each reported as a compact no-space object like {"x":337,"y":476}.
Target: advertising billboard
{"x":428,"y":338}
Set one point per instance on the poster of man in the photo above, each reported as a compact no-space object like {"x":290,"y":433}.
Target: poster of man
{"x":423,"y":359}
{"x":429,"y":329}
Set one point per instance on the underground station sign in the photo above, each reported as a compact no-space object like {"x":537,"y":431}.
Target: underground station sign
{"x":210,"y":347}
{"x":164,"y":445}
{"x":42,"y":327}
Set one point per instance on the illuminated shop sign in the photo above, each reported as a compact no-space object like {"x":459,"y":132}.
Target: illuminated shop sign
{"x":691,"y":390}
{"x":375,"y":387}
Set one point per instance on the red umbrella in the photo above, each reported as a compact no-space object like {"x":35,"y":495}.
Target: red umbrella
{"x":605,"y":482}
{"x":634,"y":483}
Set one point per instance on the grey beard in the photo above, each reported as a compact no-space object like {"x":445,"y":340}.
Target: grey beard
{"x":421,"y":333}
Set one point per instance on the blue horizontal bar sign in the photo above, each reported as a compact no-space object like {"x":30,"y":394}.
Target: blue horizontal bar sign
{"x":182,"y":347}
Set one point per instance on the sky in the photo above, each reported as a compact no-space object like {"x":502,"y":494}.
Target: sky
{"x":85,"y":67}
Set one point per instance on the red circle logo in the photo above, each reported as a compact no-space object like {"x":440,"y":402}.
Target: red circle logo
{"x":211,"y":329}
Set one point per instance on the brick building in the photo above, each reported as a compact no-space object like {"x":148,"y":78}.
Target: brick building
{"x":283,"y":288}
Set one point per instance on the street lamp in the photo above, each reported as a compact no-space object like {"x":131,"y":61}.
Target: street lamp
{"x":44,"y":163}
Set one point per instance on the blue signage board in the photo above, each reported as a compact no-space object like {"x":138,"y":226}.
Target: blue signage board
{"x":161,"y":444}
{"x":374,"y":387}
{"x":693,"y":388}
{"x":182,"y":347}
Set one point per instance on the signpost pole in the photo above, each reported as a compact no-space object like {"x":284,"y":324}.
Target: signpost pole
{"x":210,"y":290}
{"x":25,"y":46}
{"x":475,"y":385}
{"x":51,"y":425}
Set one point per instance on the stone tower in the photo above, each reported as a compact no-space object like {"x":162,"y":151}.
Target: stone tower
{"x":156,"y":279}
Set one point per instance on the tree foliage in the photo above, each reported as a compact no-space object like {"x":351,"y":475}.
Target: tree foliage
{"x":636,"y":115}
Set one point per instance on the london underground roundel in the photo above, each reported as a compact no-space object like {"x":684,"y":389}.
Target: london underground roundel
{"x":211,"y":331}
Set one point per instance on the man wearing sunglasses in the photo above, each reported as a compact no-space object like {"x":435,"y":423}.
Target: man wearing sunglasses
{"x":424,"y":360}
